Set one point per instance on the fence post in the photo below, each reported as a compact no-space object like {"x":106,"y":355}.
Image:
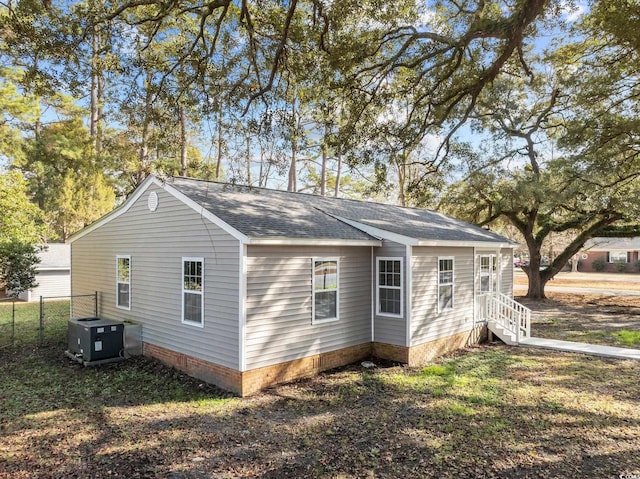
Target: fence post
{"x":41,"y":335}
{"x":13,"y":323}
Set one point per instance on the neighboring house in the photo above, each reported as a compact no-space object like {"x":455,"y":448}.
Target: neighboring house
{"x":247,"y":287}
{"x":610,"y":255}
{"x":53,"y":273}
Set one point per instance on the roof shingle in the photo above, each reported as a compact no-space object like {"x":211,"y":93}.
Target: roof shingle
{"x":266,"y":213}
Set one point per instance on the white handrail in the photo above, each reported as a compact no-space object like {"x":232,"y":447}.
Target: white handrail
{"x":509,"y":314}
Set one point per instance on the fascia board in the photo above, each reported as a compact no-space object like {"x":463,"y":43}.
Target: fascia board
{"x":465,"y":244}
{"x":311,"y":242}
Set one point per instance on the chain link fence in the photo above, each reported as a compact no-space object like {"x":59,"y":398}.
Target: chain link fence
{"x":28,"y":324}
{"x":7,"y":322}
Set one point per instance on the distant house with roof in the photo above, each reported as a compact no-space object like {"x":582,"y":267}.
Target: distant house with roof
{"x":610,"y":255}
{"x":248,"y":287}
{"x":53,"y":273}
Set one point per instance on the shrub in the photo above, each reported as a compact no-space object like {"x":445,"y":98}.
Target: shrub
{"x":620,"y":267}
{"x":598,"y":264}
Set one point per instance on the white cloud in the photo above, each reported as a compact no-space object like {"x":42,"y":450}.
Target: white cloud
{"x":572,"y":11}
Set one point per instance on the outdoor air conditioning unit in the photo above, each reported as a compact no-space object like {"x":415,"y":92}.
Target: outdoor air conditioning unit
{"x":93,"y":340}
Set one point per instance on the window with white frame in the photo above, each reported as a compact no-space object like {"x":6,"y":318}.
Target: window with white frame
{"x":192,"y":291}
{"x":617,"y":256}
{"x":445,"y":283}
{"x":123,"y":282}
{"x":389,"y":286}
{"x":325,"y":289}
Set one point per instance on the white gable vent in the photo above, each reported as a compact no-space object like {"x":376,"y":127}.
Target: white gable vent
{"x":152,"y":201}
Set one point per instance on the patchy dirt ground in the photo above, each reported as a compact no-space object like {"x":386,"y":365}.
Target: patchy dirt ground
{"x":485,"y":412}
{"x":590,"y":318}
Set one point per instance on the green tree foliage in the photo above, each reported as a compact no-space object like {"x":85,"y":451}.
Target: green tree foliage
{"x":604,"y":127}
{"x":64,"y":179}
{"x":20,"y":229}
{"x":21,"y":220}
{"x":82,"y":198}
{"x":539,"y":177}
{"x":312,"y":88}
{"x":17,"y":110}
{"x":18,"y":262}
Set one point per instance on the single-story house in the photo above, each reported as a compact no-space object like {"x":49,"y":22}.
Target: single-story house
{"x":246,"y":287}
{"x":53,"y":273}
{"x":613,"y":255}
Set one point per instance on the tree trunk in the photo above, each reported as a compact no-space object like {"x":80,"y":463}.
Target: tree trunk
{"x":143,"y":154}
{"x":248,"y":161}
{"x":338,"y":172}
{"x":261,"y":171}
{"x":219,"y":143}
{"x":293,"y":180}
{"x":537,"y":282}
{"x":183,"y":141}
{"x":323,"y":169}
{"x":400,"y":163}
{"x":98,"y":141}
{"x":95,"y":87}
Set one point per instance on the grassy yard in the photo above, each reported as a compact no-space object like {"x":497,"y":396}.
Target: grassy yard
{"x":587,"y":318}
{"x":26,"y":329}
{"x":486,"y":412}
{"x":490,"y":411}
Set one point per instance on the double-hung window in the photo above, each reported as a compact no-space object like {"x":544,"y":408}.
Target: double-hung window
{"x":617,"y":257}
{"x":325,"y":289}
{"x":445,"y":283}
{"x":192,"y":291}
{"x":389,"y":287}
{"x":123,"y":282}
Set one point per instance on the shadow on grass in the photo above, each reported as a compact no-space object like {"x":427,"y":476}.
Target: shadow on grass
{"x":486,"y":412}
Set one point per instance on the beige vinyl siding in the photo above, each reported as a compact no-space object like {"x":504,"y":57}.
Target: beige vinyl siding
{"x":427,"y":324}
{"x":279,"y":303}
{"x":156,"y":242}
{"x":389,"y":329}
{"x":506,"y":271}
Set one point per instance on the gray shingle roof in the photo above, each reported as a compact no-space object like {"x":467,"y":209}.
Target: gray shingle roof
{"x":265,"y":213}
{"x":609,"y":244}
{"x":55,"y":256}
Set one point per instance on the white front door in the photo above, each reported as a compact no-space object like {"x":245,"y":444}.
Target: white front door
{"x":488,"y":268}
{"x":487,"y":280}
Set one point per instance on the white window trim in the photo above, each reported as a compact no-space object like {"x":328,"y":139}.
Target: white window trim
{"x":619,"y":251}
{"x":313,"y":290}
{"x":201,"y":293}
{"x":118,"y":258}
{"x":452,"y":284}
{"x":401,"y":288}
{"x":492,"y":275}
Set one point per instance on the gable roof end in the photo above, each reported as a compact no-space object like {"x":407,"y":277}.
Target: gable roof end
{"x":138,"y":192}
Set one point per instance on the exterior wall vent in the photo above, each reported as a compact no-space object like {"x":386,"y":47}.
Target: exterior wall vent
{"x":152,"y":201}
